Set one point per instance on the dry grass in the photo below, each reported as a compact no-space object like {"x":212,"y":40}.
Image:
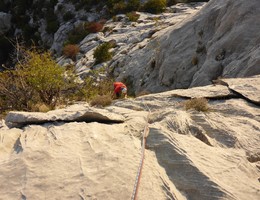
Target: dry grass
{"x":101,"y":101}
{"x":195,"y":60}
{"x":94,"y":27}
{"x":41,"y":107}
{"x":71,"y":51}
{"x":199,"y":104}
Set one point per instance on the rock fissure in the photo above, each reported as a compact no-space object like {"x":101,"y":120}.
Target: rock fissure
{"x":241,"y":96}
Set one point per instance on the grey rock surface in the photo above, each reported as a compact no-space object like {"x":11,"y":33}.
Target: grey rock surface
{"x":221,"y":40}
{"x":188,"y":154}
{"x":247,"y":87}
{"x":5,"y":22}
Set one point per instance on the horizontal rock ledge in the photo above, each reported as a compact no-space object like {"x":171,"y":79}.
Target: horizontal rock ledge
{"x":69,"y":114}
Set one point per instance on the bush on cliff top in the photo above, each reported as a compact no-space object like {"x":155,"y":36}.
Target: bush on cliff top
{"x":36,"y":78}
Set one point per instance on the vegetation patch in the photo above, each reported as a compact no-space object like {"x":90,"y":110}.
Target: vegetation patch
{"x":195,"y":60}
{"x":133,"y":16}
{"x":102,"y":53}
{"x":101,"y":101}
{"x":199,"y":104}
{"x":94,"y":27}
{"x":77,"y":34}
{"x":70,"y":51}
{"x":155,"y":6}
{"x":68,"y":16}
{"x":36,"y":79}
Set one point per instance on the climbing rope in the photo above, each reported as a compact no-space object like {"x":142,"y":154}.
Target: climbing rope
{"x":139,"y":172}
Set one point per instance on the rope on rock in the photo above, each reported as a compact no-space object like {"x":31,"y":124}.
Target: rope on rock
{"x":139,"y":172}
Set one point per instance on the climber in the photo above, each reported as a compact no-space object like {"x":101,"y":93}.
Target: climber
{"x":120,"y":90}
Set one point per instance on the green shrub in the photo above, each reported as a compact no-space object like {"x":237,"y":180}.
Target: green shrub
{"x":116,"y":6}
{"x":102,"y":54}
{"x":14,"y":91}
{"x":77,"y":34}
{"x":52,"y":21}
{"x":36,"y":79}
{"x":119,"y":8}
{"x":199,"y":104}
{"x":44,"y":76}
{"x":154,"y":6}
{"x":92,"y":88}
{"x":188,"y":1}
{"x":68,"y":16}
{"x":133,"y":5}
{"x":133,"y":16}
{"x":71,"y":51}
{"x":52,"y":26}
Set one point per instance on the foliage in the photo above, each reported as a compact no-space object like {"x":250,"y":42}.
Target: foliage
{"x":52,"y":26}
{"x":14,"y":93}
{"x":171,"y":2}
{"x":71,"y":51}
{"x":104,"y":100}
{"x":77,"y":34}
{"x":94,"y":27}
{"x":155,"y":6}
{"x":188,"y":1}
{"x":133,"y":16}
{"x":40,"y":107}
{"x":199,"y":104}
{"x":116,"y":6}
{"x":52,"y":21}
{"x":91,"y":88}
{"x":35,"y":79}
{"x":6,"y":49}
{"x":68,"y":16}
{"x":133,"y":5}
{"x":102,"y":54}
{"x":44,"y":76}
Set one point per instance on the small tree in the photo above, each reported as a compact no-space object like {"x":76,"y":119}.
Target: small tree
{"x":102,"y":54}
{"x":44,"y":76}
{"x":155,"y":6}
{"x":36,"y":79}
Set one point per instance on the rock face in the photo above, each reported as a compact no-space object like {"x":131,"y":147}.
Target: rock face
{"x":5,"y":22}
{"x":221,"y":40}
{"x":129,"y":38}
{"x":188,"y":155}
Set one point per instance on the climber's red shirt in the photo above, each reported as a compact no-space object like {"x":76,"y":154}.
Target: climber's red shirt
{"x":118,"y":87}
